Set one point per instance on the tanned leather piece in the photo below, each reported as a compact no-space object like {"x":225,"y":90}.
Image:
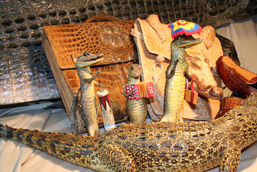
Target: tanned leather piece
{"x":228,"y":104}
{"x":236,"y":78}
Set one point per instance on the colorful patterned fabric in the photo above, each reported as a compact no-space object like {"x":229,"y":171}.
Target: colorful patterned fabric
{"x":183,"y":27}
{"x":141,"y":90}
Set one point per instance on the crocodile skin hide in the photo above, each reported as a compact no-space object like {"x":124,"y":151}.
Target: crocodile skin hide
{"x":25,"y":74}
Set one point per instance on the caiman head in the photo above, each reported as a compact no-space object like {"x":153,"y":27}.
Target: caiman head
{"x":178,"y":46}
{"x":204,"y":82}
{"x":183,"y":41}
{"x":134,"y":71}
{"x":87,"y":60}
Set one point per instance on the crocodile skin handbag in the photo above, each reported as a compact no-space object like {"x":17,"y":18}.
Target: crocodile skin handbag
{"x":101,"y":34}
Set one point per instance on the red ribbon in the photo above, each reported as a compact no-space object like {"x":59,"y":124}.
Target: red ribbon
{"x":105,"y":99}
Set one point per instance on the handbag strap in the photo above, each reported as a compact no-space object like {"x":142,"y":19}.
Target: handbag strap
{"x":102,"y":17}
{"x":192,"y":83}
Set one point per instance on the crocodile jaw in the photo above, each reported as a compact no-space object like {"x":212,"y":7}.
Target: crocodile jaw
{"x":185,"y":41}
{"x":87,"y":60}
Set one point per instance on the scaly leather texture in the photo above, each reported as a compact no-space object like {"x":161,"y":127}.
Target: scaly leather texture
{"x":192,"y":146}
{"x":21,"y":24}
{"x":110,"y":38}
{"x":236,"y":78}
{"x":228,"y":104}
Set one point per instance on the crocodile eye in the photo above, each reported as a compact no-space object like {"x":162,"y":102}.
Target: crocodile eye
{"x":85,"y":54}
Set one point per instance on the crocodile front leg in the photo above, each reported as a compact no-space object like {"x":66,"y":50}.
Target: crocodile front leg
{"x":89,"y":80}
{"x":230,"y":159}
{"x":172,"y":73}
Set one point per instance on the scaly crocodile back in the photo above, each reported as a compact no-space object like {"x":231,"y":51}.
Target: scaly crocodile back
{"x":192,"y":146}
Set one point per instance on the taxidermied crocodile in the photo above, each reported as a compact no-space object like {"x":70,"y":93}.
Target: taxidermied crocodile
{"x":175,"y":80}
{"x":191,"y":146}
{"x":87,"y":97}
{"x":136,"y":109}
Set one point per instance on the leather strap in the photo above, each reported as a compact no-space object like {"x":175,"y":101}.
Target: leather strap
{"x":102,"y":17}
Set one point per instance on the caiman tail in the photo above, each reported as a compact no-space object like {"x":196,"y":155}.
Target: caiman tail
{"x":50,"y":143}
{"x":87,"y":151}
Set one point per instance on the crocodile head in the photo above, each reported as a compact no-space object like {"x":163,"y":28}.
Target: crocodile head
{"x":182,"y":42}
{"x":185,"y":41}
{"x":135,"y":71}
{"x":87,"y":59}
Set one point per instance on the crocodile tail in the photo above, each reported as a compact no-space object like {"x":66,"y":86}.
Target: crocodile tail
{"x":73,"y":116}
{"x":59,"y":145}
{"x":5,"y":133}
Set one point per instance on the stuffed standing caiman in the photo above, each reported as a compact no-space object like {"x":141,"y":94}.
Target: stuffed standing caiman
{"x":136,"y":109}
{"x":87,"y":97}
{"x":175,"y":79}
{"x":191,"y":146}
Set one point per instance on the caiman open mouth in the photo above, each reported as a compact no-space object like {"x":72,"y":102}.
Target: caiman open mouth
{"x":187,"y":41}
{"x":88,"y":59}
{"x":98,"y":57}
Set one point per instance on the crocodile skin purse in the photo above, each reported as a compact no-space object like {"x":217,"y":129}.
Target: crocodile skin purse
{"x":101,"y":34}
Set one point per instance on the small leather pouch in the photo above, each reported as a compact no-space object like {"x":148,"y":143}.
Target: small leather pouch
{"x":190,"y":94}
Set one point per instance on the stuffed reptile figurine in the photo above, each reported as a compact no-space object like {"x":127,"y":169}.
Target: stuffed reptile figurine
{"x":189,"y":146}
{"x":175,"y":79}
{"x":87,"y":82}
{"x":136,"y":109}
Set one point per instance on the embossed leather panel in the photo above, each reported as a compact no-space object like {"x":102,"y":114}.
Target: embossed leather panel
{"x":109,"y":38}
